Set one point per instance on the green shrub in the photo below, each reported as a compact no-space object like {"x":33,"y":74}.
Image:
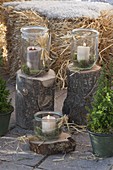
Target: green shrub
{"x":100,"y":117}
{"x":1,"y":58}
{"x":5,"y":102}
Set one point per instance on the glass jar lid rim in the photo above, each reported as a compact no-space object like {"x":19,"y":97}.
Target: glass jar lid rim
{"x":26,"y":28}
{"x":85,"y":29}
{"x":47,"y":112}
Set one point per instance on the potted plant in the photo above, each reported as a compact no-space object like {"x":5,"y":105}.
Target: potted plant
{"x":100,"y":117}
{"x":5,"y":107}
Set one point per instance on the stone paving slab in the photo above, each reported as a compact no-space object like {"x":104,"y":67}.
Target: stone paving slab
{"x":16,"y":155}
{"x":16,"y":150}
{"x":80,"y":159}
{"x":76,"y":164}
{"x":12,"y":166}
{"x":21,"y":158}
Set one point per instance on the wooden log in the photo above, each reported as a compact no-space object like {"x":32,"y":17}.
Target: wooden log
{"x":64,"y":144}
{"x":33,"y":94}
{"x":81,"y":87}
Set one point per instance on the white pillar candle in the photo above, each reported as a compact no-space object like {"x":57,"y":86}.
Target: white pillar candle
{"x":34,"y":57}
{"x":83,"y":53}
{"x":48,"y":124}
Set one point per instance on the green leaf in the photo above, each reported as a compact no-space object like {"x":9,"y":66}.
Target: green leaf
{"x":100,"y":117}
{"x":5,"y":102}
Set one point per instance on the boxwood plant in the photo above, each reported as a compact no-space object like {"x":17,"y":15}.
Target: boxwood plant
{"x":100,"y":117}
{"x":5,"y":102}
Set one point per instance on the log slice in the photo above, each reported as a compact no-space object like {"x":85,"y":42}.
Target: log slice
{"x":65,"y":143}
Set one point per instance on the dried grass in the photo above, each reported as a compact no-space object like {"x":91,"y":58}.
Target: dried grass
{"x":2,"y":1}
{"x":3,"y":39}
{"x":60,"y":46}
{"x":3,"y":43}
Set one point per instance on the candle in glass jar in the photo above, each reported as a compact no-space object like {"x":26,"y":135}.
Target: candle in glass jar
{"x":33,"y":57}
{"x":83,"y":53}
{"x":48,"y":124}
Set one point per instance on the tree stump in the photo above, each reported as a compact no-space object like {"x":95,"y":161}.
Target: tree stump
{"x":65,"y":143}
{"x":33,"y":94}
{"x":81,"y":87}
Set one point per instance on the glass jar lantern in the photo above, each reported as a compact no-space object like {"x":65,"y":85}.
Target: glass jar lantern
{"x":46,"y":125}
{"x":35,"y":48}
{"x":84,"y":48}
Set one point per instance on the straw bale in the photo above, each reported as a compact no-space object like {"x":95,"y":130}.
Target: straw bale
{"x":3,"y":41}
{"x":2,"y":1}
{"x":60,"y":44}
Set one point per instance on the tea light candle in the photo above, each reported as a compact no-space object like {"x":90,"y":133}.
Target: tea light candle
{"x":48,"y":124}
{"x":83,"y":52}
{"x":33,"y":57}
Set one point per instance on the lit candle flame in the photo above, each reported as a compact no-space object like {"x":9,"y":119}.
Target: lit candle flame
{"x":48,"y":117}
{"x":84,"y":44}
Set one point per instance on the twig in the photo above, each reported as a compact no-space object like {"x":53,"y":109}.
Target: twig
{"x":91,"y":91}
{"x":59,"y":159}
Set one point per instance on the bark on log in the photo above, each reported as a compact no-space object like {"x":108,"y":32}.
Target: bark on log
{"x":33,"y":94}
{"x":81,"y":87}
{"x":64,"y":144}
